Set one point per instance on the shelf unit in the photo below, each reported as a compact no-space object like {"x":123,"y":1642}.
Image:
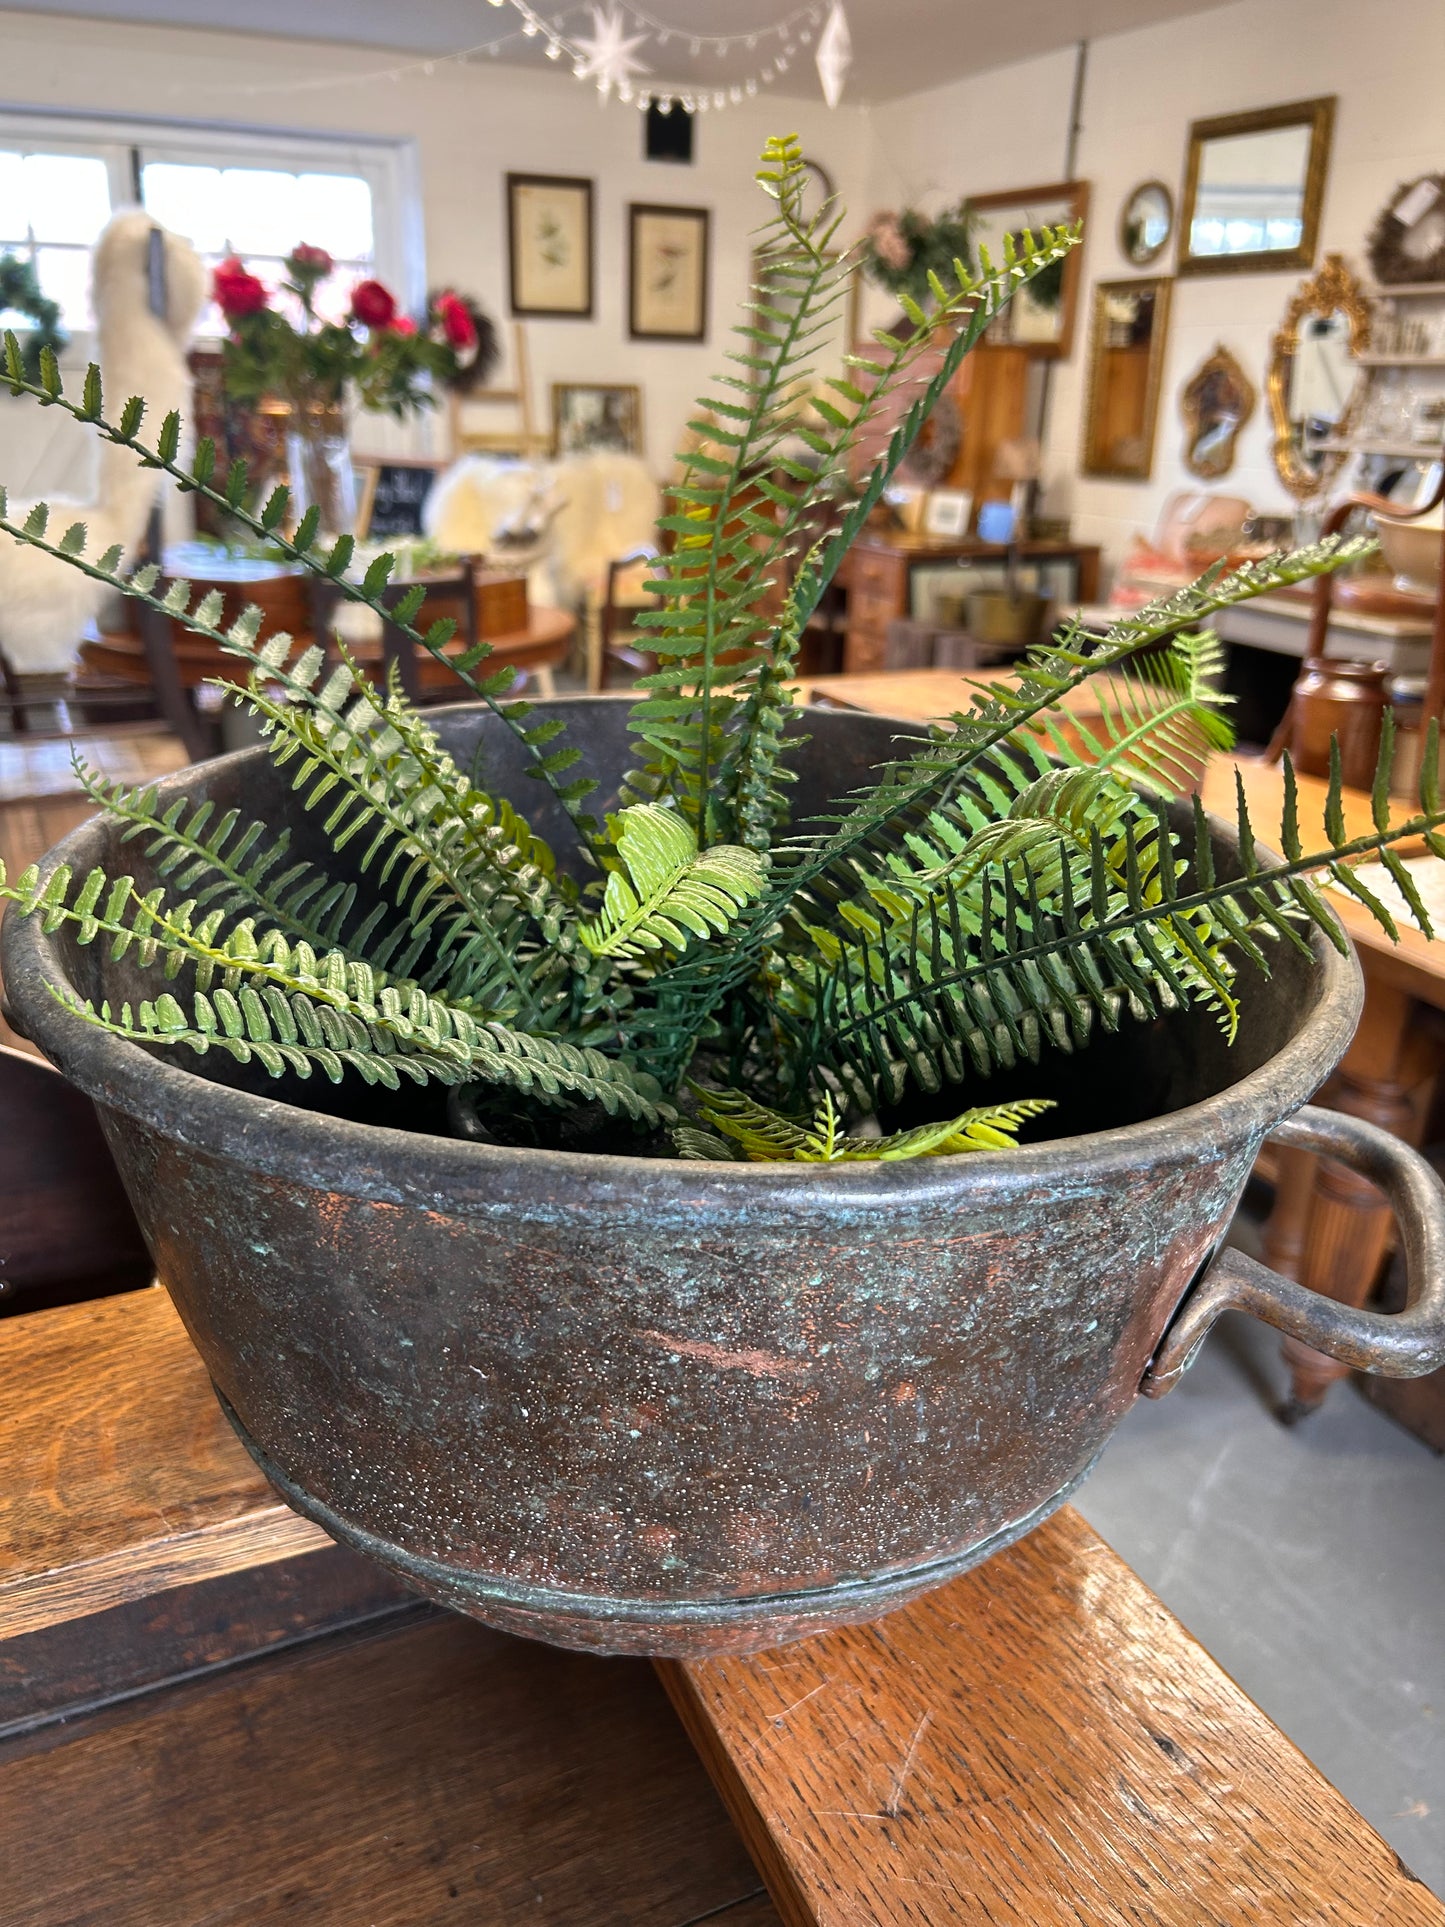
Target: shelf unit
{"x":1400,"y":451}
{"x":1407,"y":291}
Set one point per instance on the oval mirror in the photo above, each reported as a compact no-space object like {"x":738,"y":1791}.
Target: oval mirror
{"x":1146,"y":223}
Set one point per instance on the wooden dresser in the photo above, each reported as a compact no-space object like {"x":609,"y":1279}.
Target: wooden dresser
{"x":880,"y":568}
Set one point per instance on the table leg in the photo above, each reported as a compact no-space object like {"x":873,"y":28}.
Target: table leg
{"x":1347,"y":1228}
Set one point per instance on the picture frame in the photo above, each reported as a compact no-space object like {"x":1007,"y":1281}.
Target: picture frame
{"x":947,"y":512}
{"x":588,"y":415}
{"x":392,"y":492}
{"x":550,"y":246}
{"x":1039,"y":318}
{"x":667,"y":272}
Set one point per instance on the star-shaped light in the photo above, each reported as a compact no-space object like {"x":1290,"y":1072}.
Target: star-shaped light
{"x":835,"y":54}
{"x":607,"y":56}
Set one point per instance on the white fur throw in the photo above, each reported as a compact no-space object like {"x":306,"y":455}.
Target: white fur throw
{"x":45,"y":605}
{"x":571,"y":517}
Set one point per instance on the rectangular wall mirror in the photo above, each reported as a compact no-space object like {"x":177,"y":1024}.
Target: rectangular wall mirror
{"x":1126,"y":361}
{"x":1253,"y":188}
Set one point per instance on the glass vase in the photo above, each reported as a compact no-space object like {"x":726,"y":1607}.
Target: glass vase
{"x":319,"y":460}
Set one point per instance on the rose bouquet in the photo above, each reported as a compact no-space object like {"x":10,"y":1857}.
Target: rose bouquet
{"x":279,"y":345}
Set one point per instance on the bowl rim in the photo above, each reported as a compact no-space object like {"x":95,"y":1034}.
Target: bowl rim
{"x":271,"y":1137}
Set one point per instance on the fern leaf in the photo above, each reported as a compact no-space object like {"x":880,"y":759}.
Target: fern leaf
{"x":766,"y":1136}
{"x":664,"y":892}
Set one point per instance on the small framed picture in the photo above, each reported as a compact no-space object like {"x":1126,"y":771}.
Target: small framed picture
{"x":667,"y":270}
{"x":948,"y":512}
{"x":588,"y":415}
{"x":549,"y":245}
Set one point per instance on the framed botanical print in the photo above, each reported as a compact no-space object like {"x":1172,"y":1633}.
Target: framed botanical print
{"x":667,"y":273}
{"x":549,"y":245}
{"x":588,"y":415}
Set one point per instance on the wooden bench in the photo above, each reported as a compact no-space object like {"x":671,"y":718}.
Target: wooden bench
{"x":1039,"y":1742}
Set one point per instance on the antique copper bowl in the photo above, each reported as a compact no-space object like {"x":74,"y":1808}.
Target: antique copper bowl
{"x":647,"y":1406}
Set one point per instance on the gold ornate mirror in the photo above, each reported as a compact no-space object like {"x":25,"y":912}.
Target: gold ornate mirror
{"x":1217,"y":401}
{"x":1126,"y":357}
{"x":1253,"y":188}
{"x":1315,"y":382}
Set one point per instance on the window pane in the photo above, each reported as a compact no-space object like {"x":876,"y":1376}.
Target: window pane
{"x":188,"y":201}
{"x":334,"y":212}
{"x":260,"y":210}
{"x":14,"y":216}
{"x":68,"y":196}
{"x":65,"y":277}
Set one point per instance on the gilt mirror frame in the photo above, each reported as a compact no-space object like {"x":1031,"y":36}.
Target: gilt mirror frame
{"x":1319,"y":116}
{"x":1333,"y":290}
{"x":1221,"y":366}
{"x":1096,"y":460}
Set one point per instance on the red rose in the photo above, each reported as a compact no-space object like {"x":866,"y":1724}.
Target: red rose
{"x":403,"y":325}
{"x":236,"y":291}
{"x":457,"y":324}
{"x":373,"y":305}
{"x":311,"y":261}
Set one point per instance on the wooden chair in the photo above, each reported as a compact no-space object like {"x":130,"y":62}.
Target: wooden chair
{"x":67,"y":1231}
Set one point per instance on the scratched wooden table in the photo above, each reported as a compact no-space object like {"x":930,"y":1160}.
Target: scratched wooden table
{"x":1039,"y":1742}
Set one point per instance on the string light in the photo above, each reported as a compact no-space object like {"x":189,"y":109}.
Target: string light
{"x":608,"y":57}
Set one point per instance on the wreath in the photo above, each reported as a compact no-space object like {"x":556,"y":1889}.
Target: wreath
{"x":1410,"y":208}
{"x":901,"y":250}
{"x":21,"y":293}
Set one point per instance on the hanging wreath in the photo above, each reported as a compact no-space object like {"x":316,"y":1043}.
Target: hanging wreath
{"x":901,"y":250}
{"x":21,"y":293}
{"x":1407,"y":242}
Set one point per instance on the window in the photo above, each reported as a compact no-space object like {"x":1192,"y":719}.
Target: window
{"x":260,"y":214}
{"x":52,"y":207}
{"x":227,"y":192}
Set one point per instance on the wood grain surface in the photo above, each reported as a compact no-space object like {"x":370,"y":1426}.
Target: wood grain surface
{"x":119,"y":1476}
{"x":440,"y":1773}
{"x":1038,"y":1743}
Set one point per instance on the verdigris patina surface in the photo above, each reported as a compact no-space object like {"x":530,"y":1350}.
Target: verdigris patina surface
{"x":641,"y":1405}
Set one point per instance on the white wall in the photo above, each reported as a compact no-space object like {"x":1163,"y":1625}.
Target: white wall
{"x":471,"y":123}
{"x":1386,"y":62}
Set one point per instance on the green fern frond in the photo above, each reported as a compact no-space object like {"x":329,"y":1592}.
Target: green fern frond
{"x":895,"y":1007}
{"x":664,"y":892}
{"x":765,"y":1136}
{"x":257,"y":995}
{"x":551,"y":764}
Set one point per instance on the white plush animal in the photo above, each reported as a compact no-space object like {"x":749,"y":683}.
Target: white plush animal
{"x":45,"y":605}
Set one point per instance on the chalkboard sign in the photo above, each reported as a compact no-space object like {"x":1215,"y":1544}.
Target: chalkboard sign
{"x":393,"y":496}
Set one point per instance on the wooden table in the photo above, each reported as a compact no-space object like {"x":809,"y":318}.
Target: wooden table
{"x":1038,"y":1742}
{"x":1329,"y":1228}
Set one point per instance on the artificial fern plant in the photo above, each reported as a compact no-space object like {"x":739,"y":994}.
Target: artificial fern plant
{"x":727,"y":984}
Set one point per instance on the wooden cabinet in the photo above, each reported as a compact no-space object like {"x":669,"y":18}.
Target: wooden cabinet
{"x":880,"y":569}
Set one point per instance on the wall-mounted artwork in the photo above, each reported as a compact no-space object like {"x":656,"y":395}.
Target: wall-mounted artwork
{"x":1040,"y":317}
{"x":588,"y":415}
{"x":667,"y":273}
{"x":549,"y":245}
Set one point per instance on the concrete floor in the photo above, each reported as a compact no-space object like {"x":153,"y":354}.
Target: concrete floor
{"x":1309,"y":1562}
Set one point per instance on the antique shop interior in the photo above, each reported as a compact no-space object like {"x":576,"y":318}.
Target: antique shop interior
{"x":866,"y":382}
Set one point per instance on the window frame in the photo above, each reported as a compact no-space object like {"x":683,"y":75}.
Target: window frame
{"x":126,"y":143}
